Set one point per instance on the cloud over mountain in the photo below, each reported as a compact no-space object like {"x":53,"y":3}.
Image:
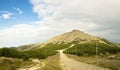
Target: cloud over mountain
{"x":100,"y":18}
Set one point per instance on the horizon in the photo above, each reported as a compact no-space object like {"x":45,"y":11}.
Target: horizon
{"x":35,"y":21}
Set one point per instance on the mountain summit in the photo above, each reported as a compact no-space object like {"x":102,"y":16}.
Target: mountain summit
{"x":73,"y":37}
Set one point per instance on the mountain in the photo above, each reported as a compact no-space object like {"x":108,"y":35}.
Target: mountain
{"x":74,"y":37}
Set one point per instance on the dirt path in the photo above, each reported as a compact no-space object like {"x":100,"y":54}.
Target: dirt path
{"x":69,"y":64}
{"x":39,"y":64}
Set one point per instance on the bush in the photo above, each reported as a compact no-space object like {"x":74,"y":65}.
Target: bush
{"x":10,"y":52}
{"x":40,"y":53}
{"x":90,"y":49}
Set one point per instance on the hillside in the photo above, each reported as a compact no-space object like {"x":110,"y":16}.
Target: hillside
{"x":73,"y":37}
{"x":28,"y":47}
{"x":23,"y":47}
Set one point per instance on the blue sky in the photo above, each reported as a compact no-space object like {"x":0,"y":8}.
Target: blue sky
{"x":26,"y":17}
{"x":35,"y":21}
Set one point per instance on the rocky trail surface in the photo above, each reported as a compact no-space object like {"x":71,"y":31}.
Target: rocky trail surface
{"x":69,"y":64}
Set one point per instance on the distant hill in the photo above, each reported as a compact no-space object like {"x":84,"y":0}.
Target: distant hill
{"x":23,"y":47}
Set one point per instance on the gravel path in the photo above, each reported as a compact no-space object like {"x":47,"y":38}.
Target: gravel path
{"x":69,"y":64}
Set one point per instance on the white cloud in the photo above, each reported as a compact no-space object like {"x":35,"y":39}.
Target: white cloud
{"x":19,"y":10}
{"x":89,"y":10}
{"x":92,"y":16}
{"x":44,"y":9}
{"x":100,"y":18}
{"x":38,"y":31}
{"x":82,"y":10}
{"x":6,"y":15}
{"x":18,"y":35}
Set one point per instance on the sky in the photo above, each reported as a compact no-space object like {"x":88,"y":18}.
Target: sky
{"x":35,"y":21}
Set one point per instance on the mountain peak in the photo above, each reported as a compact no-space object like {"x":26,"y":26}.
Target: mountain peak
{"x":76,"y":30}
{"x":74,"y":35}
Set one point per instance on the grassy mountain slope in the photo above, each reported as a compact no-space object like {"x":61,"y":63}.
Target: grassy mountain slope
{"x":73,"y":37}
{"x":90,"y":49}
{"x":85,"y":44}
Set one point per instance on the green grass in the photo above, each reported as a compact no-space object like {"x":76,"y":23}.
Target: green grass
{"x":90,"y":49}
{"x":56,"y":46}
{"x":15,"y":59}
{"x":41,"y":53}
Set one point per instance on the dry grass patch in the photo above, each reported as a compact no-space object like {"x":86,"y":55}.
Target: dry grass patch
{"x":112,"y":64}
{"x":12,"y":63}
{"x":52,"y":63}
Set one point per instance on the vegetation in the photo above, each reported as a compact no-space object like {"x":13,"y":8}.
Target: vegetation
{"x":12,"y":63}
{"x":40,"y":53}
{"x":8,"y":64}
{"x":52,"y":63}
{"x":15,"y":61}
{"x":56,"y":46}
{"x":11,"y":52}
{"x":90,"y":49}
